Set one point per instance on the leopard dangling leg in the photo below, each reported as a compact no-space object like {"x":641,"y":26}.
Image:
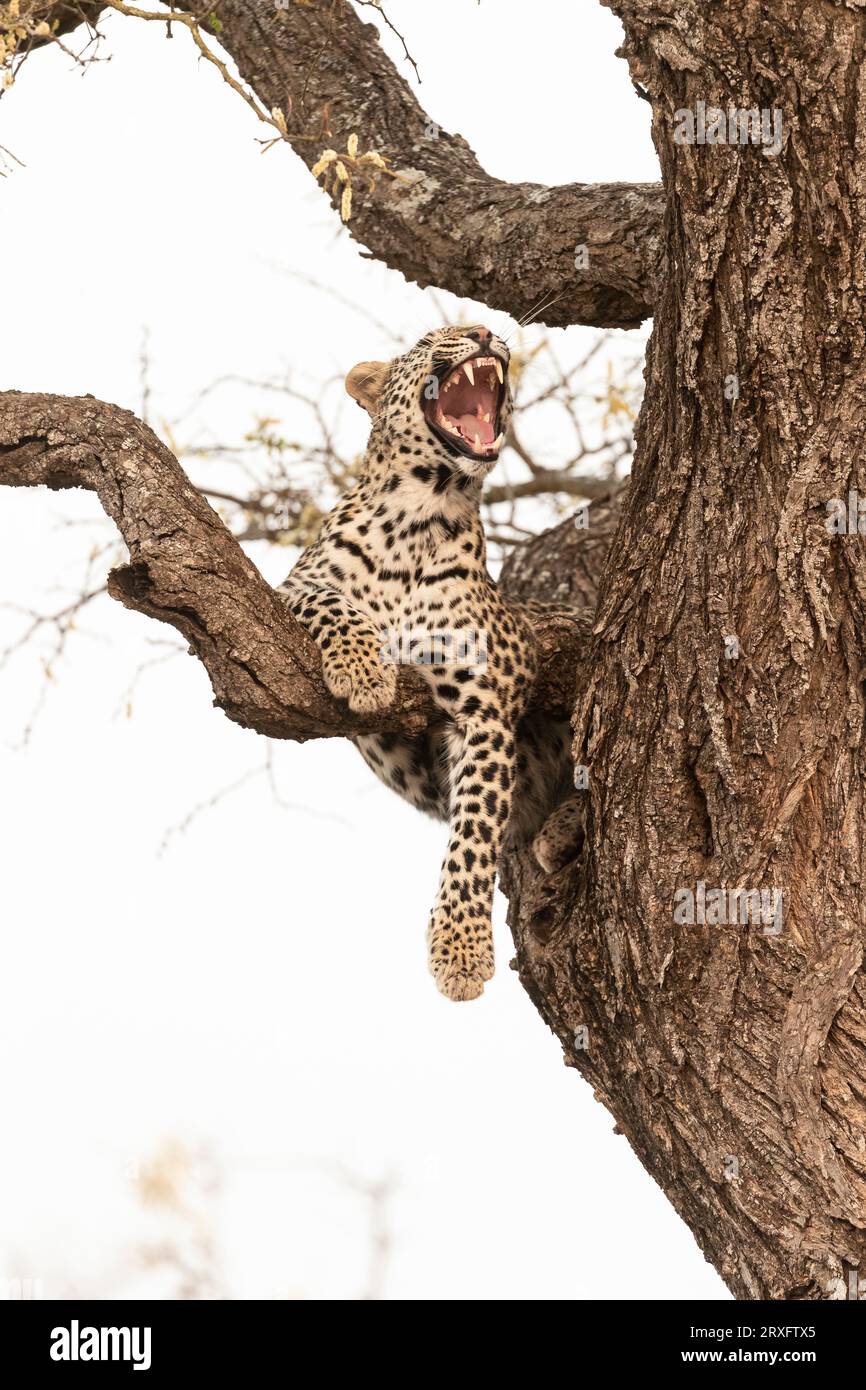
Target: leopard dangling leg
{"x":460,"y":934}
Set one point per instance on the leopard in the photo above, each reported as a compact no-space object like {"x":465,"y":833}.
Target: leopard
{"x":398,"y":576}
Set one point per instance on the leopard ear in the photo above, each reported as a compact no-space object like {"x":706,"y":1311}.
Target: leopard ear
{"x":366,"y":382}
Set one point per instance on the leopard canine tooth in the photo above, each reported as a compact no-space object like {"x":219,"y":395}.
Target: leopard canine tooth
{"x":498,"y":365}
{"x":468,"y":370}
{"x":476,"y":443}
{"x":498,"y":441}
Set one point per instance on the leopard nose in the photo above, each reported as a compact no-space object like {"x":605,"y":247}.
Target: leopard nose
{"x":481,"y":336}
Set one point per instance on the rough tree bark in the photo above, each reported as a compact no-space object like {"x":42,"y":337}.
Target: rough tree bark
{"x":734,"y":1061}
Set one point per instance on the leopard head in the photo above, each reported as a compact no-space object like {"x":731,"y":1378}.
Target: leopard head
{"x":448,"y":398}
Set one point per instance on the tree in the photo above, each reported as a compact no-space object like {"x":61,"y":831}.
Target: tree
{"x":714,"y":670}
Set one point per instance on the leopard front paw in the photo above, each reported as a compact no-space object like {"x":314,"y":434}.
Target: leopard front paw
{"x":368,"y":685}
{"x":460,"y":964}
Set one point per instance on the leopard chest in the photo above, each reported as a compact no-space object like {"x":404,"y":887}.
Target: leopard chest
{"x":410,"y":565}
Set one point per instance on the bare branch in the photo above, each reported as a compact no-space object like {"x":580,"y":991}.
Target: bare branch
{"x":547,"y":480}
{"x":190,"y":22}
{"x":377,"y":5}
{"x":262,"y":769}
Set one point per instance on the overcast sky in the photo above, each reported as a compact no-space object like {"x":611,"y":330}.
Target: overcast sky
{"x":260,"y":988}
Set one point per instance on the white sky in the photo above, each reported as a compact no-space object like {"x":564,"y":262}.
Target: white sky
{"x":261,"y":988}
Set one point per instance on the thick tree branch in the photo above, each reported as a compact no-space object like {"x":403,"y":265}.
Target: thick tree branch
{"x":185,"y":568}
{"x":445,"y":221}
{"x":450,"y":223}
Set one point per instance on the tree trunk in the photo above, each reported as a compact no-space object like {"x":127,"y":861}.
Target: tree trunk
{"x":722,"y":718}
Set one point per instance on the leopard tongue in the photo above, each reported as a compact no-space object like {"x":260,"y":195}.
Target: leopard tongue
{"x":470,"y":426}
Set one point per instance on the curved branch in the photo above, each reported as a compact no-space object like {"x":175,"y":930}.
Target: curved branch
{"x":185,"y":568}
{"x":450,"y":223}
{"x":445,"y":221}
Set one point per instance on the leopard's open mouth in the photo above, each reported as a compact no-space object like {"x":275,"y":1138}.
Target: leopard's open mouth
{"x":465,"y":412}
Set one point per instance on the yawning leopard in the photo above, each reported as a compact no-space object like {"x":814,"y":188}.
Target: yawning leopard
{"x":399,"y":574}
